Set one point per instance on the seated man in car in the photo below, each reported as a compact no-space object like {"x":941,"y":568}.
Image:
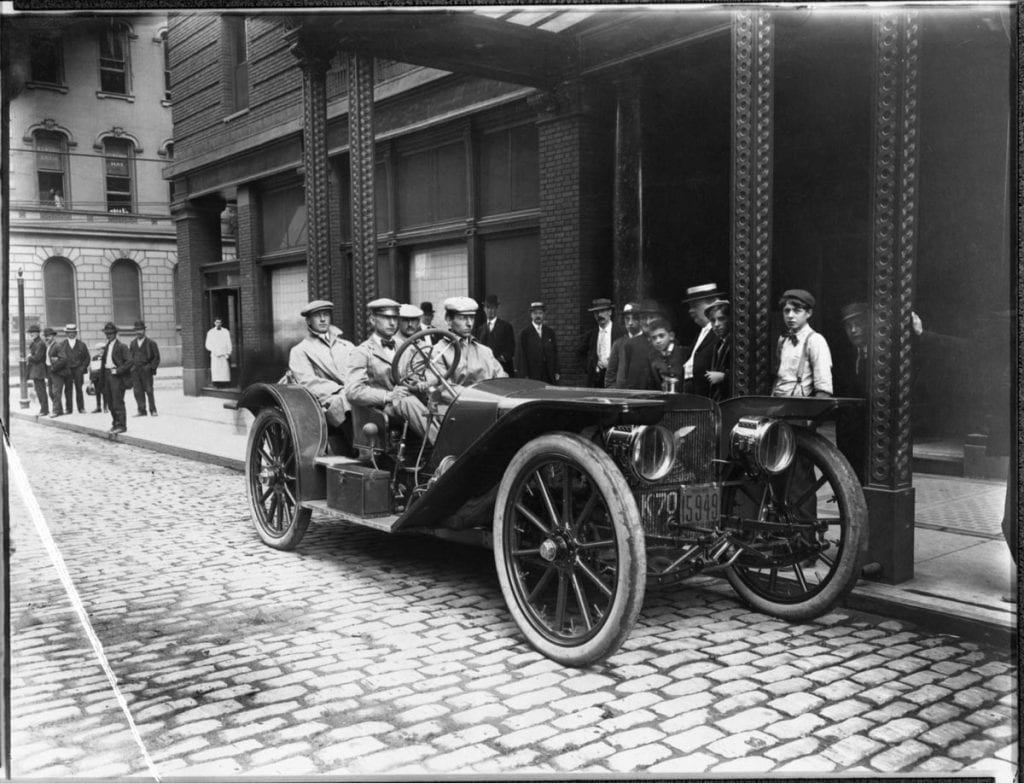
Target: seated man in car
{"x":476,"y":360}
{"x":319,"y":361}
{"x":368,"y":381}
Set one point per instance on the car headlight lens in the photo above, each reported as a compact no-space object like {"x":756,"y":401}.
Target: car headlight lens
{"x":766,"y":444}
{"x":652,"y":450}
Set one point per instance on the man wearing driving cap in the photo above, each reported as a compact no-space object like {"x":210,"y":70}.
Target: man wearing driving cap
{"x":633,"y":365}
{"x":37,"y":369}
{"x":476,"y":361}
{"x":368,"y":379}
{"x":408,"y":322}
{"x":78,"y":362}
{"x":60,"y":372}
{"x":116,"y":374}
{"x":695,"y":370}
{"x":596,"y":346}
{"x":498,"y":335}
{"x":320,"y":359}
{"x":145,"y":359}
{"x":537,"y":349}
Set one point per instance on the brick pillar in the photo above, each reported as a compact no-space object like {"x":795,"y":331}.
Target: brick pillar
{"x":894,"y":243}
{"x":361,"y":164}
{"x":198,"y":228}
{"x":575,"y":216}
{"x":752,"y":100}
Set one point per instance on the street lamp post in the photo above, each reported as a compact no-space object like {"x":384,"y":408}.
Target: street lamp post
{"x":23,"y":363}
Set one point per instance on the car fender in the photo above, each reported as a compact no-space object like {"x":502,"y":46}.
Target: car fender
{"x":796,"y":410}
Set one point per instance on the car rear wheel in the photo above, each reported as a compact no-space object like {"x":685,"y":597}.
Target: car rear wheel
{"x":271,"y":476}
{"x":807,"y":533}
{"x":569,"y":549}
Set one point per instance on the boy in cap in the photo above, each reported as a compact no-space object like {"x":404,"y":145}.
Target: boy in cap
{"x":498,"y":335}
{"x":667,"y":357}
{"x":476,"y":361}
{"x":697,"y":298}
{"x":368,"y":380}
{"x":78,"y":363}
{"x":116,"y":373}
{"x":596,"y":347}
{"x":320,"y":360}
{"x":633,"y":366}
{"x":37,"y":368}
{"x":60,"y":373}
{"x":537,"y":350}
{"x":145,"y":359}
{"x":805,"y":362}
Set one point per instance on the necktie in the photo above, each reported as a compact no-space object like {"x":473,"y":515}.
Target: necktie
{"x":388,"y":344}
{"x":793,"y":338}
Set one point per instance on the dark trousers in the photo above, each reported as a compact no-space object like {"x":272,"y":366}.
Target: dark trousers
{"x":98,"y":386}
{"x":42,"y":395}
{"x":142,"y":385}
{"x":113,"y":390}
{"x":74,"y":384}
{"x":57,"y":393}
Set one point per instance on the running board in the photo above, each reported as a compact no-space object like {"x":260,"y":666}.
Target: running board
{"x":384,"y":522}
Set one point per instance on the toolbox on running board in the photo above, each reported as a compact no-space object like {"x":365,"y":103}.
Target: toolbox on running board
{"x":358,"y":489}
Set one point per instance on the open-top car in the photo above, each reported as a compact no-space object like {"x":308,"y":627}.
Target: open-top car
{"x":585,"y":495}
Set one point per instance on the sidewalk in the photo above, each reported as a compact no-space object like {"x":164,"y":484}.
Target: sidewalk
{"x":962,"y":567}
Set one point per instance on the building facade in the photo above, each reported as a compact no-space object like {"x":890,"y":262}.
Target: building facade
{"x":90,"y":227}
{"x":565,"y":154}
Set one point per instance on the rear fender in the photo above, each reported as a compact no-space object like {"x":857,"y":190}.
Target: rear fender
{"x":307,"y":423}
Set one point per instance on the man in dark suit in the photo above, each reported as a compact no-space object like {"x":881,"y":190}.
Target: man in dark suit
{"x":145,"y":358}
{"x":60,"y":373}
{"x":78,"y":363}
{"x":596,"y":347}
{"x":537,"y":351}
{"x":497,"y":335}
{"x":116,"y":374}
{"x":634,"y":351}
{"x":37,"y":369}
{"x":851,"y":380}
{"x":697,"y":299}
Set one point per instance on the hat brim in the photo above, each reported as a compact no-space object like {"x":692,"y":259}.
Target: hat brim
{"x":698,"y":297}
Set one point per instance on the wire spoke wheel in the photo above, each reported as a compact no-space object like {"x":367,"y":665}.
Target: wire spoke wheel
{"x":806,"y":533}
{"x":569,"y":549}
{"x":271,"y":473}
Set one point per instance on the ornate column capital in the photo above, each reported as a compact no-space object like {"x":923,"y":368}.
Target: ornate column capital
{"x":566,"y":99}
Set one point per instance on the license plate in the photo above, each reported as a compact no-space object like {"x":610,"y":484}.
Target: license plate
{"x":696,"y":505}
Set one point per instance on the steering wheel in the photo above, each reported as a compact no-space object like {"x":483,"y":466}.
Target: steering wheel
{"x":424,"y":360}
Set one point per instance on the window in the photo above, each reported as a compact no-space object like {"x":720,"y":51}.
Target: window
{"x":46,"y":59}
{"x":59,"y":291}
{"x":283,"y":219}
{"x":237,"y":60}
{"x":174,"y":295}
{"x":51,"y":165}
{"x":432,"y":185}
{"x":288,"y":293}
{"x":117,"y":161}
{"x":114,"y":59}
{"x":509,"y":174}
{"x":437,"y":273}
{"x":167,"y":65}
{"x":124,"y":291}
{"x":169,"y":148}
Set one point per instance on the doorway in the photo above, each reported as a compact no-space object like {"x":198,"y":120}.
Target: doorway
{"x":223,"y":304}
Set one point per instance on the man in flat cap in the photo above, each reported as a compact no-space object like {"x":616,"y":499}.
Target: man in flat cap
{"x":476,"y":361}
{"x":319,"y":361}
{"x":368,"y":380}
{"x":634,"y":354}
{"x":697,"y":299}
{"x":498,"y":335}
{"x":116,"y":373}
{"x":408,"y":322}
{"x":537,"y":349}
{"x":78,"y":363}
{"x":595,"y":348}
{"x":805,"y":362}
{"x":851,"y":380}
{"x":145,"y":356}
{"x":60,"y":373}
{"x":37,"y":368}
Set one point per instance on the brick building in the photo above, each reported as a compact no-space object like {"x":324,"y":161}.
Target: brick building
{"x":90,"y":225}
{"x":565,"y":154}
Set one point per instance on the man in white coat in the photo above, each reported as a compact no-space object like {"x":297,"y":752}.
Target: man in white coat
{"x":218,"y":343}
{"x":321,"y":360}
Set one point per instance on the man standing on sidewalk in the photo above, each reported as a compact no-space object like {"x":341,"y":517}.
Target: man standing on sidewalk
{"x":145,"y":356}
{"x":37,"y":369}
{"x":78,"y":362}
{"x":60,"y":373}
{"x":116,"y":376}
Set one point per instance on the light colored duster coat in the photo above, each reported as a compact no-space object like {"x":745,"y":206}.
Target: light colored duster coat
{"x":320,"y":363}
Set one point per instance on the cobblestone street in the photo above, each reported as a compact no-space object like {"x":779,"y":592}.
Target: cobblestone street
{"x":362,"y":653}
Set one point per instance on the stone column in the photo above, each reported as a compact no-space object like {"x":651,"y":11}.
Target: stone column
{"x":895,"y":155}
{"x":197,"y":223}
{"x":752,"y":108}
{"x":629,"y":278}
{"x":361,"y":165}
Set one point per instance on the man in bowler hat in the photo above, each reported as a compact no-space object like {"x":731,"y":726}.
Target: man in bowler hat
{"x":498,"y":335}
{"x":145,"y":356}
{"x":537,"y":351}
{"x":116,"y":374}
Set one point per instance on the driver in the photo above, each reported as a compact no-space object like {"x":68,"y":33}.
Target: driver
{"x":476,"y":360}
{"x":319,"y":361}
{"x":368,"y":381}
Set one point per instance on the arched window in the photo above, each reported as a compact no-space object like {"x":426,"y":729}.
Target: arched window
{"x":125,"y":292}
{"x":118,"y":161}
{"x":51,"y":167}
{"x":59,"y":292}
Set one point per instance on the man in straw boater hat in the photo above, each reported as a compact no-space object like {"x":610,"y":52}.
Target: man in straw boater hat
{"x":78,"y":362}
{"x":697,"y":298}
{"x":320,"y":359}
{"x":498,"y":335}
{"x":595,"y":348}
{"x":537,"y":349}
{"x":116,"y":374}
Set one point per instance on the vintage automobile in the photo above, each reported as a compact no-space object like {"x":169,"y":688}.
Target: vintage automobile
{"x":586,"y":496}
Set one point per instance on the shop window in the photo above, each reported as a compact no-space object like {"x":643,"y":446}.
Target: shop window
{"x":431,"y":185}
{"x":437,"y":273}
{"x":288,"y":294}
{"x":283,"y":219}
{"x":125,"y":292}
{"x":236,"y":58}
{"x":51,"y":167}
{"x":118,"y":163}
{"x":46,"y":60}
{"x":59,"y":291}
{"x":509,"y":178}
{"x":114,"y":77}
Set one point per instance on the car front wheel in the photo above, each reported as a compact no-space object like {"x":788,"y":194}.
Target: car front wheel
{"x":271,"y":477}
{"x":569,"y":549}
